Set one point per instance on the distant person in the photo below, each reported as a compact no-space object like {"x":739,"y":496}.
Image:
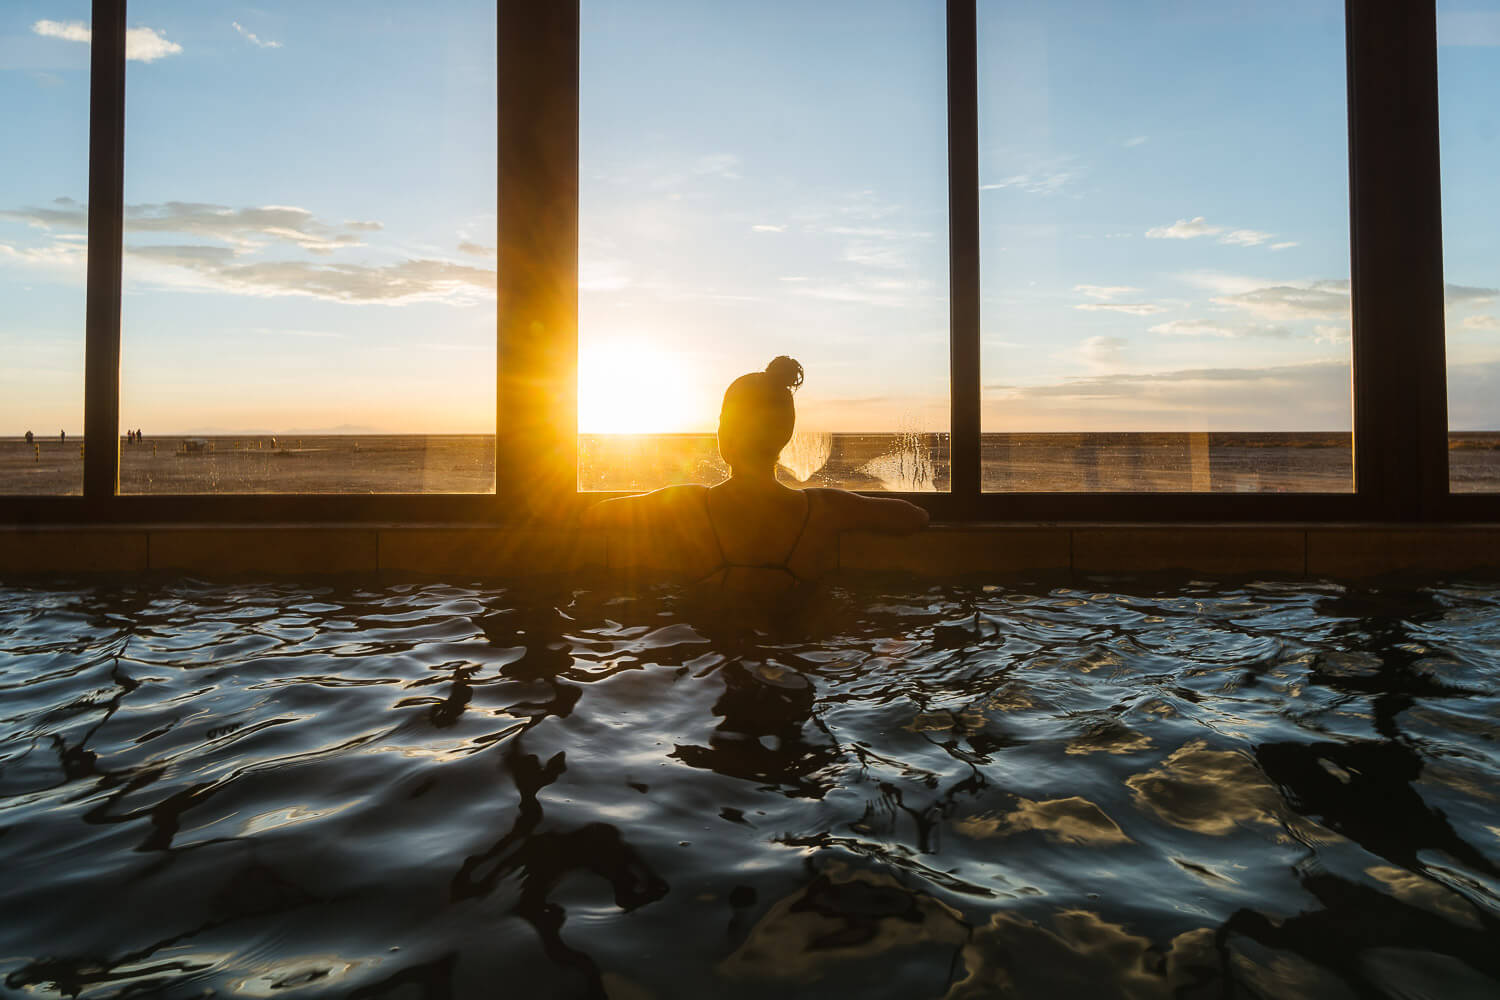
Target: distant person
{"x":28,"y":437}
{"x":62,"y":436}
{"x":750,"y":536}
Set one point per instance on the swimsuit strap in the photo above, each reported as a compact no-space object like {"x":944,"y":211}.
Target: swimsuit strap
{"x":724,"y":561}
{"x":718,"y":543}
{"x":806,"y":516}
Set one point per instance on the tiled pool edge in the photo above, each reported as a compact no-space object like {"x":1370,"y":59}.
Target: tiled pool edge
{"x":1335,"y":550}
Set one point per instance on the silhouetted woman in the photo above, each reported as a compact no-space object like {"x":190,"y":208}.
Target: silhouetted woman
{"x":751,"y":536}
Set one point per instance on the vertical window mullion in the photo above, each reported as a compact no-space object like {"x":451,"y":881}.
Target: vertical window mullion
{"x":101,"y":403}
{"x":536,"y":439}
{"x":963,"y":252}
{"x":1400,"y":395}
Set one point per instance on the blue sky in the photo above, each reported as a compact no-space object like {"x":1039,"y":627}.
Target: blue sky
{"x":1165,"y":240}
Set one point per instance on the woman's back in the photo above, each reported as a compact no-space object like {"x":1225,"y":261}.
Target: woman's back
{"x":766,"y":543}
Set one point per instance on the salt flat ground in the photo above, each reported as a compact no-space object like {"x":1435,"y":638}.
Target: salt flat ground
{"x":1082,"y":462}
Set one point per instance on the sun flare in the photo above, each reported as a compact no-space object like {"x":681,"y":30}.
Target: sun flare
{"x":631,"y":387}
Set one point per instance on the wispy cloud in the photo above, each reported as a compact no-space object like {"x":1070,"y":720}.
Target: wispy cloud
{"x":1184,"y":229}
{"x":1308,"y":396}
{"x":141,"y":44}
{"x":1193,"y":328}
{"x":232,"y":256}
{"x":1191,"y":229}
{"x":767,"y":228}
{"x":1044,"y":182}
{"x":221,"y":269}
{"x":475,"y":249}
{"x":1481,"y":323}
{"x":1285,"y":246}
{"x":1104,"y":291}
{"x":886,"y":256}
{"x":253,"y":38}
{"x":1215,"y":328}
{"x":1310,"y":300}
{"x":1032,"y":174}
{"x":1102,"y":352}
{"x":1130,"y":308}
{"x":1461,"y":295}
{"x":1134,"y":140}
{"x":1244,"y":237}
{"x":884,"y":292}
{"x":245,"y":227}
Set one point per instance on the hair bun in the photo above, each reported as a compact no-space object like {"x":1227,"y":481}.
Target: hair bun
{"x":785,"y":371}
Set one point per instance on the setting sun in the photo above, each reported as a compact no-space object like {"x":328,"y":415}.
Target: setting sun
{"x":628,"y":387}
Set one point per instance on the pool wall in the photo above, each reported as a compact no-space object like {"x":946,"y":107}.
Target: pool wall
{"x":1316,"y":550}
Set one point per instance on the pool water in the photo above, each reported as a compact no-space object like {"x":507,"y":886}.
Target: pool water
{"x":377,"y":788}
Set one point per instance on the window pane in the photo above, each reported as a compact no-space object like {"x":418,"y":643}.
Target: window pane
{"x":1468,"y":82}
{"x":763,"y":179}
{"x":44,"y":185}
{"x":309,"y":248}
{"x":1165,"y":246}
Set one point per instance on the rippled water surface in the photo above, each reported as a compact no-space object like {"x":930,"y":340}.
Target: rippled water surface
{"x":386,"y":789}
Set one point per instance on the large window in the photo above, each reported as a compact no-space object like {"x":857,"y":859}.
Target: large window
{"x":44,"y":116}
{"x":309,"y":248}
{"x":1040,"y":258}
{"x":1165,"y":246}
{"x":763,"y":179}
{"x":1469,"y":82}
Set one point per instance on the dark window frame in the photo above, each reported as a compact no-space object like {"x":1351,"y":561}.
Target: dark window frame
{"x":1399,"y":378}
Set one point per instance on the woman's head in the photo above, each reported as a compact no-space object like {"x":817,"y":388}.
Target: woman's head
{"x":756,"y":420}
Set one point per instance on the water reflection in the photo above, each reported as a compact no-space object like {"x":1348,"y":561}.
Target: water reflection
{"x":393,"y":789}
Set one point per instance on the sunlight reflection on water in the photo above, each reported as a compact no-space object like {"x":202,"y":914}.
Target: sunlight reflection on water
{"x":963,"y":790}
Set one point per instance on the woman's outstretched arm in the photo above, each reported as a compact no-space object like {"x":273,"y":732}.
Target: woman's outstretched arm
{"x":881,"y":515}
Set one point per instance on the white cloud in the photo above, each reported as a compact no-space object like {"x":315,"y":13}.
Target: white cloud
{"x":1460,"y":295}
{"x":1130,"y":308}
{"x":1285,"y":246}
{"x":244,"y":227}
{"x":230,"y":258}
{"x":1104,"y":291}
{"x":1184,"y":229}
{"x":141,"y":44}
{"x":1481,"y":323}
{"x":253,"y":38}
{"x":1244,"y":238}
{"x":1102,"y":351}
{"x":1045,"y":182}
{"x":1331,"y":334}
{"x":1214,"y":328}
{"x":1313,"y":396}
{"x":68,"y":31}
{"x":767,"y":228}
{"x":1193,"y":328}
{"x":145,"y":45}
{"x":893,"y":293}
{"x":1313,"y":300}
{"x":1134,"y":140}
{"x":219,"y":269}
{"x":879,"y":255}
{"x":475,"y":249}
